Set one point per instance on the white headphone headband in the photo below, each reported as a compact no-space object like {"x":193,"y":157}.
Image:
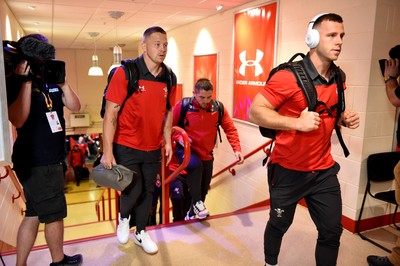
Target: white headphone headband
{"x":312,"y":36}
{"x":315,"y":19}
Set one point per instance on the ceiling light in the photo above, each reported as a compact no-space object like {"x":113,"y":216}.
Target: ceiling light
{"x":95,"y":70}
{"x":219,"y":7}
{"x":32,"y":7}
{"x":117,"y":53}
{"x":117,"y":50}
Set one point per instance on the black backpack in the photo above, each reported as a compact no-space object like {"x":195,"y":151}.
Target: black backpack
{"x":304,"y":81}
{"x":187,"y":103}
{"x":132,"y":75}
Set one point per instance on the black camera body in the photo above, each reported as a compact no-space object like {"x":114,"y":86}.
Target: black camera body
{"x":39,"y":55}
{"x":382,"y":66}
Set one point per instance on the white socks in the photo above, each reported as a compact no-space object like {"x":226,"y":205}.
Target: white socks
{"x":266,"y":264}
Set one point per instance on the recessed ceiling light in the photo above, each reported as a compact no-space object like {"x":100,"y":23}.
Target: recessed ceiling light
{"x":32,"y":7}
{"x":219,"y":7}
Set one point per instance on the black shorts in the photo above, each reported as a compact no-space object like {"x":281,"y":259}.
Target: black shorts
{"x":44,"y":192}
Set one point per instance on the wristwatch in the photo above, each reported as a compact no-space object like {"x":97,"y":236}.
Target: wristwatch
{"x":386,"y":79}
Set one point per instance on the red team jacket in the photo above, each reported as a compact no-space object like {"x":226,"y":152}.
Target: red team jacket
{"x":200,"y":125}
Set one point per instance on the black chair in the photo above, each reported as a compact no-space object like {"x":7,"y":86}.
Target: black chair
{"x":380,"y":168}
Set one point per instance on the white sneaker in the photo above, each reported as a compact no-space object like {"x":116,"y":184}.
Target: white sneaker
{"x":143,"y":239}
{"x":200,"y":210}
{"x":123,"y":230}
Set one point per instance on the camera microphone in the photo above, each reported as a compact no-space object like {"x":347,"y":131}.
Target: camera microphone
{"x":36,"y":49}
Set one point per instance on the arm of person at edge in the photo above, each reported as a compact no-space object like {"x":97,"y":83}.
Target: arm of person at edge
{"x":19,"y":110}
{"x":392,"y":70}
{"x":167,"y":136}
{"x":232,"y":136}
{"x":109,"y":127}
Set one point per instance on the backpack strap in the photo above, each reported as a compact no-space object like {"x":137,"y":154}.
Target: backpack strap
{"x":132,"y":75}
{"x":341,"y":106}
{"x":220,"y":108}
{"x":304,"y":81}
{"x":341,"y":99}
{"x":186,"y":103}
{"x":170,"y":80}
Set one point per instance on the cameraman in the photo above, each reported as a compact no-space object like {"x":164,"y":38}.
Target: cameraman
{"x":35,"y":108}
{"x":391,"y":78}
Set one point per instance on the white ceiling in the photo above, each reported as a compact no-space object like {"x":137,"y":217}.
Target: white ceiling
{"x":67,"y":23}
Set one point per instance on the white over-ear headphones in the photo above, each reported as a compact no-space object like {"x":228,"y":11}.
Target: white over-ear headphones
{"x":312,"y":37}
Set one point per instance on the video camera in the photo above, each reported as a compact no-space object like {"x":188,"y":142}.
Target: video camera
{"x":40,"y":56}
{"x":393,"y":53}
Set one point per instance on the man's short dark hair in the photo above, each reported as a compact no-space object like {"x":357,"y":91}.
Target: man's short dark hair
{"x":395,"y":52}
{"x":152,"y":30}
{"x":203,"y":84}
{"x":330,"y":17}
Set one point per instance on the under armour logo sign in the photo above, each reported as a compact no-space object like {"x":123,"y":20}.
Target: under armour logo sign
{"x":279,"y":212}
{"x":256,"y":63}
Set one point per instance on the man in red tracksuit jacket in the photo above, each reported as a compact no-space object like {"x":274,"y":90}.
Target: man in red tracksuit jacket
{"x":76,"y":160}
{"x":200,"y":123}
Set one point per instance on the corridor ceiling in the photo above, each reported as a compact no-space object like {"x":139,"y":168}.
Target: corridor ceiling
{"x":67,"y":23}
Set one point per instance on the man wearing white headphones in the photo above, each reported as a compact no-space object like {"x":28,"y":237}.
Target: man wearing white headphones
{"x":301,"y":164}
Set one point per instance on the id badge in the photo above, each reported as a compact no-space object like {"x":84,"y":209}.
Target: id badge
{"x":54,"y":122}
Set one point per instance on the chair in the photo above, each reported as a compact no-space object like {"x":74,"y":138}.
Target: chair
{"x":380,"y":168}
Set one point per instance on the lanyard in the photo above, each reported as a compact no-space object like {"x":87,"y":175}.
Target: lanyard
{"x":47,"y":99}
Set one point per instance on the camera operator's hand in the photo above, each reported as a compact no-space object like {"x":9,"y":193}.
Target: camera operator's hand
{"x":22,"y":70}
{"x":392,"y":73}
{"x":392,"y":68}
{"x":19,"y":110}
